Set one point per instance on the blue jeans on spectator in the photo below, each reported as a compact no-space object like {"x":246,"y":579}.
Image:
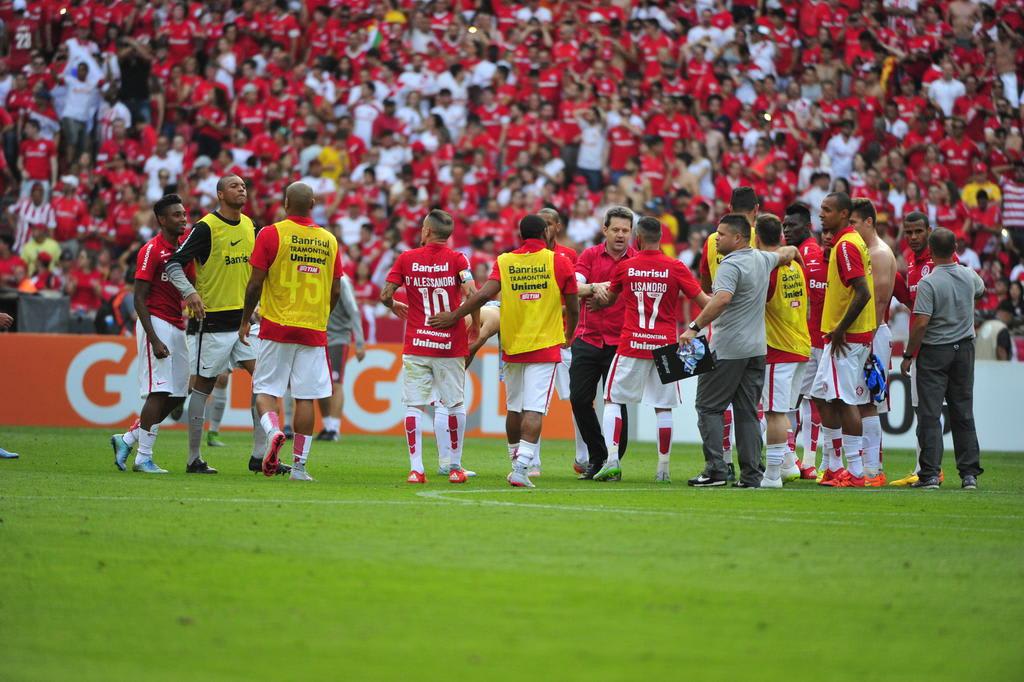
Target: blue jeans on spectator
{"x":594,"y":178}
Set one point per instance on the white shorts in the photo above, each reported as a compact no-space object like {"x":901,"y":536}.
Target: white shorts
{"x":810,"y":369}
{"x":304,"y":369}
{"x":427,"y":379}
{"x":782,"y":382}
{"x":219,"y":352}
{"x":843,"y":377}
{"x":881,"y":346}
{"x":635,"y":380}
{"x":562,"y":374}
{"x":167,"y":375}
{"x":528,"y":386}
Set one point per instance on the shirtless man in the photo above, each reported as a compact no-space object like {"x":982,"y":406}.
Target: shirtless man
{"x":883,"y":271}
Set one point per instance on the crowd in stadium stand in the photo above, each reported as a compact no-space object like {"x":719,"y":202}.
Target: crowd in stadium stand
{"x":491,"y":110}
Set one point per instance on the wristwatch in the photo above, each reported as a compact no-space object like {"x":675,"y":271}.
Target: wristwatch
{"x":908,"y":356}
{"x":694,"y":326}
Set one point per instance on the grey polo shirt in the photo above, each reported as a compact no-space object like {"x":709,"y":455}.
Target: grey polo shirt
{"x":947,"y":295}
{"x":738,"y":333}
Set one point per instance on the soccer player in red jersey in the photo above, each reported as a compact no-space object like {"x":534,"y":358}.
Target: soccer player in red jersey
{"x":160,"y":336}
{"x":651,"y":284}
{"x":796,"y":226}
{"x":436,"y":279}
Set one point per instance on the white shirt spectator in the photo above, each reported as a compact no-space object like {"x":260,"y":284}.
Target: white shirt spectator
{"x":897,"y":128}
{"x":583,"y":230}
{"x":110,"y":113}
{"x":945,"y":93}
{"x":454,"y":117}
{"x":969,"y":257}
{"x":842,"y":151}
{"x":813,"y":198}
{"x":592,"y":143}
{"x":349,"y":228}
{"x":80,"y":99}
{"x":27,"y":215}
{"x":322,"y":187}
{"x":322,"y":86}
{"x":458,"y":88}
{"x":154,"y":165}
{"x":363,"y":116}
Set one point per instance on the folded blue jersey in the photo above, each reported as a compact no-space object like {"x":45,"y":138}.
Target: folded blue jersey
{"x":874,"y":376}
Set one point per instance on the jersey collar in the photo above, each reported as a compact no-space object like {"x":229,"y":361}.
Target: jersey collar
{"x":533,"y":245}
{"x":302,"y":220}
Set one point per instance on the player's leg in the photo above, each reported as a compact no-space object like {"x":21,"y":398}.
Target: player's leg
{"x":625,"y":384}
{"x":218,"y":402}
{"x":270,"y":377}
{"x":417,"y":384}
{"x":310,"y":380}
{"x":538,"y":381}
{"x":331,"y":407}
{"x":772,"y":396}
{"x":824,"y":391}
{"x":450,"y":412}
{"x":852,"y":393}
{"x":213,"y":356}
{"x":663,"y":398}
{"x":871,"y":427}
{"x":122,"y":443}
{"x":788,"y":400}
{"x":288,"y":413}
{"x":152,"y":409}
{"x":513,"y":408}
{"x":727,"y":443}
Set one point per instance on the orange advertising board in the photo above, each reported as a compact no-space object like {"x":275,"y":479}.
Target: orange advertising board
{"x":67,"y":380}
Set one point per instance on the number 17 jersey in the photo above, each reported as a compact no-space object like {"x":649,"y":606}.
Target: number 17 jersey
{"x":433,"y":276}
{"x":649,"y":285}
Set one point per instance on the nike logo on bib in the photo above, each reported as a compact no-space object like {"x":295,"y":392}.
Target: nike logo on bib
{"x":236,"y":243}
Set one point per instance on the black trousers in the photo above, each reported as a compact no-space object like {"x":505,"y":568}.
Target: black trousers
{"x":589,"y":368}
{"x":947,"y":372}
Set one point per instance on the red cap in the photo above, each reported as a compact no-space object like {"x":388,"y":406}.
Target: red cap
{"x":44,"y":258}
{"x":980,"y":168}
{"x":417,"y":148}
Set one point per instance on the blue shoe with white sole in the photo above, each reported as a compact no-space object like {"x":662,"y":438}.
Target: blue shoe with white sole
{"x":121,"y":451}
{"x":148,"y":467}
{"x":4,"y":454}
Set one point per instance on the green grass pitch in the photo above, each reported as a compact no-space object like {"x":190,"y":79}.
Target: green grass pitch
{"x":360,"y":576}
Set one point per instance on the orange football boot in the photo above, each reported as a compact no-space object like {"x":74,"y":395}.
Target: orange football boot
{"x":831,"y":477}
{"x":457,"y":476}
{"x":849,"y":481}
{"x":416,"y":477}
{"x":875,"y":481}
{"x":808,"y":473}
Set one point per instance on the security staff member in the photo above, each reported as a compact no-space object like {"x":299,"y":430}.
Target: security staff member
{"x":942,"y":339}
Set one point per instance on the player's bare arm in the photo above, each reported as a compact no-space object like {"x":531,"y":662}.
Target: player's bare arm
{"x":714,"y":306}
{"x":253,"y":291}
{"x":468,"y":290}
{"x":488,"y":291}
{"x":861,"y":297}
{"x":788,"y":254}
{"x":387,"y":299}
{"x":160,"y":350}
{"x":490,"y":323}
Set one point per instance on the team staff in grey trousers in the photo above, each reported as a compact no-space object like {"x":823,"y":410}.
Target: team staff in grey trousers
{"x":942,"y":339}
{"x":736,"y":315}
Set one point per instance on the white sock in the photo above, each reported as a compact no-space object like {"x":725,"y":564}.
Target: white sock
{"x":441,"y":437}
{"x":270,"y":422}
{"x":853,"y":446}
{"x":146,"y":441}
{"x":414,"y":437}
{"x":219,"y":402}
{"x":776,"y":453}
{"x":788,"y":459}
{"x":872,"y":445}
{"x":455,"y":432}
{"x":332,"y":424}
{"x":131,"y":436}
{"x":527,"y":451}
{"x":833,"y":448}
{"x":664,"y":420}
{"x":513,"y":450}
{"x":582,"y":453}
{"x":611,"y":424}
{"x":810,"y":457}
{"x":535,"y":463}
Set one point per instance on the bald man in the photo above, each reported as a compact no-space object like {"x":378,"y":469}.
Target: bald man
{"x":296,"y":280}
{"x":220,"y":246}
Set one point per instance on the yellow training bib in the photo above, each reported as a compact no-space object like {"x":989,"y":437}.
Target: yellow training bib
{"x":785,"y":315}
{"x":297,"y":291}
{"x":221,"y":280}
{"x":531,"y":302}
